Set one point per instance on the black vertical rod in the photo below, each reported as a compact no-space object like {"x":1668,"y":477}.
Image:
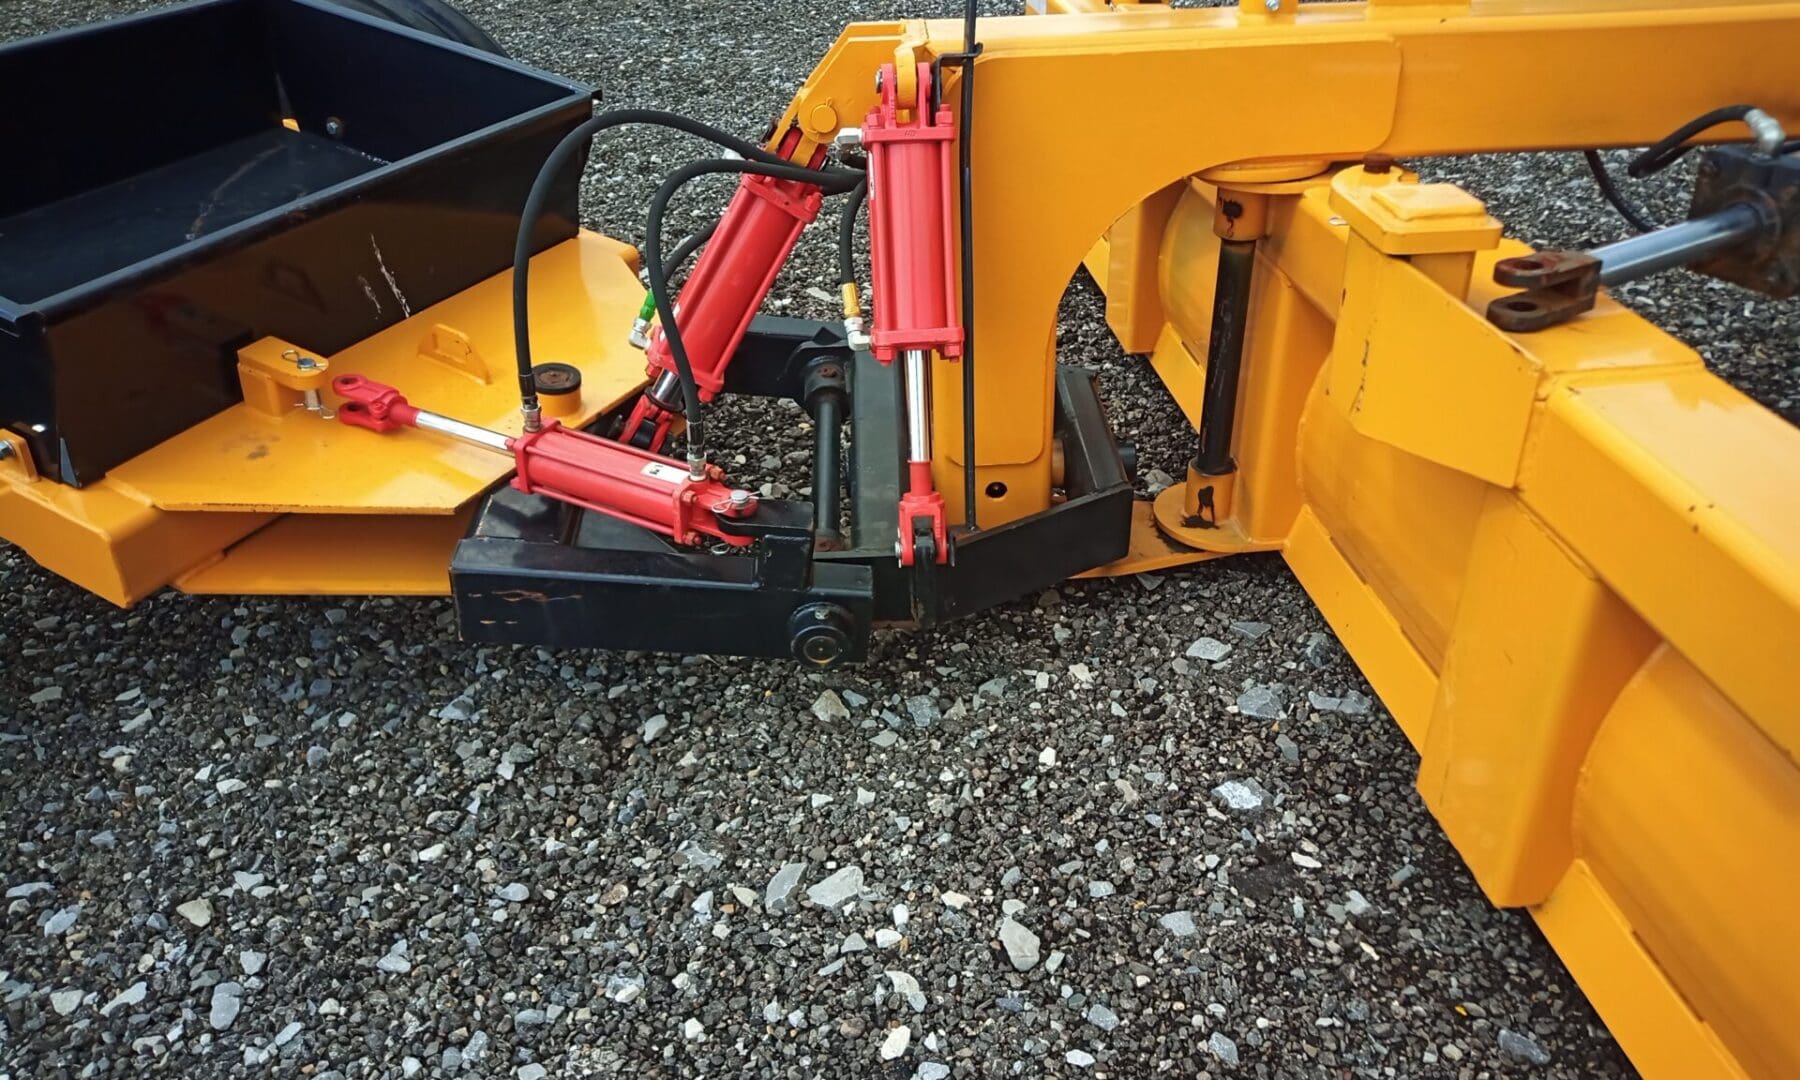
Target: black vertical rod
{"x":966,"y":212}
{"x":1225,"y":357}
{"x":828,"y":469}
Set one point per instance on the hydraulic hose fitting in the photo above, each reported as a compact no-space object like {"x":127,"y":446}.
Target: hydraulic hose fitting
{"x":533,"y":416}
{"x":1767,"y":132}
{"x":854,"y":331}
{"x":640,"y":328}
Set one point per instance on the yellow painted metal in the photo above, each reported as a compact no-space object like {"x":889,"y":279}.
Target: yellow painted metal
{"x":1322,"y":81}
{"x":1682,"y":787}
{"x":1567,"y":561}
{"x":1645,"y":1010}
{"x":1151,"y":549}
{"x":1680,"y":493}
{"x":201,"y":507}
{"x":275,"y":376}
{"x":583,"y":291}
{"x":110,"y":542}
{"x":1570,"y":564}
{"x":337,"y":555}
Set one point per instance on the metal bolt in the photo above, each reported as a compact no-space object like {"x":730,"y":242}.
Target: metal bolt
{"x":1272,"y":6}
{"x":7,"y":450}
{"x":334,"y":127}
{"x":739,"y":499}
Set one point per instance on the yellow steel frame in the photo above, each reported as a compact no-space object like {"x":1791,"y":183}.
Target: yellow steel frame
{"x":1569,"y":562}
{"x":1551,"y":554}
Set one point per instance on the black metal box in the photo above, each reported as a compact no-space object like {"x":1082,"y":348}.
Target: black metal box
{"x":182,"y":183}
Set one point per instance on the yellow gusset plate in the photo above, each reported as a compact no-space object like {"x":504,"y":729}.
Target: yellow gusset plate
{"x":584,"y":297}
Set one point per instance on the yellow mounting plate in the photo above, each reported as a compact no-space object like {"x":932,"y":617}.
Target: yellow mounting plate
{"x":456,"y":358}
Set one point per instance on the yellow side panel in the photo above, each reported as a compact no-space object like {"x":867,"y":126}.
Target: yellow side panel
{"x":584,"y":298}
{"x":1645,"y":1014}
{"x":1664,"y":487}
{"x":1538,"y":655}
{"x":1405,"y":523}
{"x":1690,"y":818}
{"x":338,"y":555}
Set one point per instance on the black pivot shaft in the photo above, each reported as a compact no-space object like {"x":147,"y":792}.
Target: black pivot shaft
{"x":825,"y":394}
{"x":1225,"y":357}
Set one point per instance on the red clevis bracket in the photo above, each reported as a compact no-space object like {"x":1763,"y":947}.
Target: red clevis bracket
{"x":596,"y":474}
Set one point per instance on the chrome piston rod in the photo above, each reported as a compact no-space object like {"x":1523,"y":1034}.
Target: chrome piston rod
{"x":469,"y":433}
{"x":918,"y":404}
{"x":1677,"y":245}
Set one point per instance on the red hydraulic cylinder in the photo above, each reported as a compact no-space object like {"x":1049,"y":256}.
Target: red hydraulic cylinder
{"x":597,"y":474}
{"x":731,"y":276}
{"x":624,"y":482}
{"x":912,"y":245}
{"x":912,"y":256}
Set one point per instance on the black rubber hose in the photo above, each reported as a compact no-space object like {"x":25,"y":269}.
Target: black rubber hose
{"x":966,"y":207}
{"x":685,"y":250}
{"x":846,"y":253}
{"x":829,"y":181}
{"x":540,"y":194}
{"x":1666,"y":150}
{"x":1634,"y":216}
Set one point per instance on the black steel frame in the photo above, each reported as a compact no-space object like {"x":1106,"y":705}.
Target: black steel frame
{"x":535,"y":571}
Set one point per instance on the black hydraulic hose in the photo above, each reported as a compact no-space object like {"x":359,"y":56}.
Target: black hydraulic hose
{"x":1664,"y":152}
{"x":1635,"y":217}
{"x":966,"y":214}
{"x":685,"y":250}
{"x":846,"y":252}
{"x":834,"y":181}
{"x":540,"y":194}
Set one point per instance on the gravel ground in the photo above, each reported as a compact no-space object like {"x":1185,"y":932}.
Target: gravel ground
{"x":1130,"y":827}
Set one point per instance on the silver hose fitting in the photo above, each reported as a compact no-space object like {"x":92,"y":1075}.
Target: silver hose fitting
{"x":640,"y":334}
{"x":534,"y":417}
{"x":696,"y":467}
{"x":1767,"y":132}
{"x":855,"y":335}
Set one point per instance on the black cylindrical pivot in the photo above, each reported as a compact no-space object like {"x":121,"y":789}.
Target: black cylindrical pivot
{"x":826,"y":394}
{"x":828,"y":468}
{"x":1225,"y":356}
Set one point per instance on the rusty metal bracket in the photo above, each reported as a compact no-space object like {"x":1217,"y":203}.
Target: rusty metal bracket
{"x":1559,"y":285}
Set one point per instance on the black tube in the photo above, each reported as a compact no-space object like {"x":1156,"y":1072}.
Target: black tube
{"x":1225,"y":357}
{"x":846,"y":253}
{"x":1633,"y":216}
{"x":828,"y":470}
{"x":966,"y":214}
{"x":1665,"y":151}
{"x":685,"y":250}
{"x":831,"y":182}
{"x":540,"y":194}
